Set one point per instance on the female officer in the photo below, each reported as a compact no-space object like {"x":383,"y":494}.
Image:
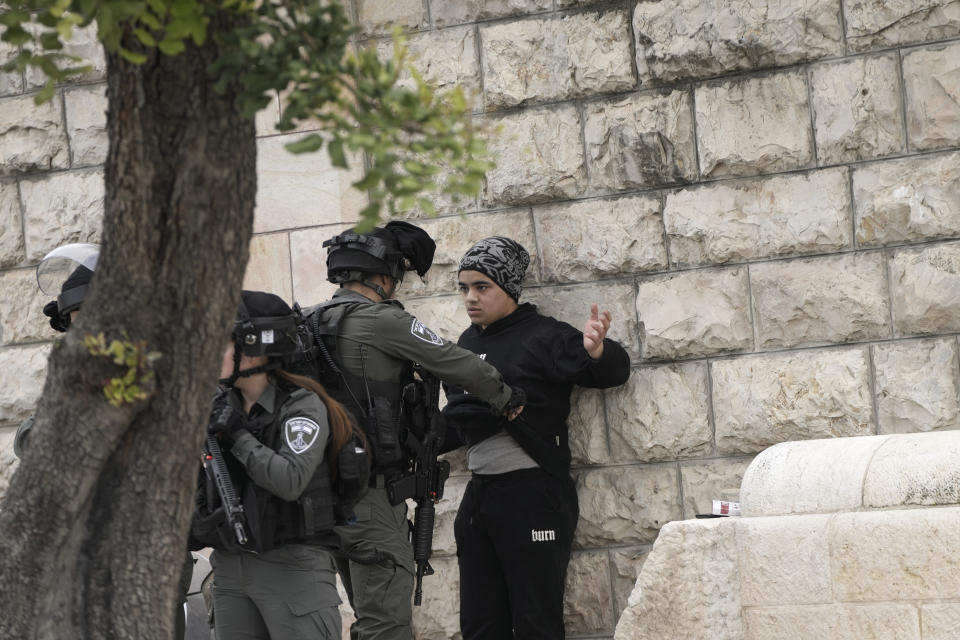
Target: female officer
{"x":280,"y":434}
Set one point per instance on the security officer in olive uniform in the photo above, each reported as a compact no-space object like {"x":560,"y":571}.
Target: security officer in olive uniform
{"x":278,"y":431}
{"x":373,"y":343}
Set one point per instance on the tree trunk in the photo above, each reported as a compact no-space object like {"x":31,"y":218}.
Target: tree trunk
{"x":93,"y":527}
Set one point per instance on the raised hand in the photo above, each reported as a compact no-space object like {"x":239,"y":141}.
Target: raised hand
{"x":595,"y":331}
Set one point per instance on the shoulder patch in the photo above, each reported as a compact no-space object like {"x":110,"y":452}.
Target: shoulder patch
{"x":300,"y":433}
{"x":419,"y":330}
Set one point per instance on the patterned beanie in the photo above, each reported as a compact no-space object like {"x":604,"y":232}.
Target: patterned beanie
{"x":503,"y":260}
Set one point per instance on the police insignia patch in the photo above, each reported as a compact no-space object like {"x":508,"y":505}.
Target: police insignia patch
{"x":300,"y":433}
{"x":419,"y":330}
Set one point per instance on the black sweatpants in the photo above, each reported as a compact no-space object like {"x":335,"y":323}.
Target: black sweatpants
{"x":514,"y":532}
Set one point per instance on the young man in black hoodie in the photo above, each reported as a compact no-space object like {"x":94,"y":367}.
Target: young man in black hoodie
{"x":514,"y":528}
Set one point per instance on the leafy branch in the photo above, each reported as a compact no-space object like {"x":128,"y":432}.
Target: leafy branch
{"x":136,"y":381}
{"x":416,"y":140}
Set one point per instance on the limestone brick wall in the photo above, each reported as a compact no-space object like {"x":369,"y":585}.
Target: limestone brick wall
{"x":764,"y":194}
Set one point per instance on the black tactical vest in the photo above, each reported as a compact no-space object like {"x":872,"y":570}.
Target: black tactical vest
{"x":274,"y":522}
{"x":367,"y":381}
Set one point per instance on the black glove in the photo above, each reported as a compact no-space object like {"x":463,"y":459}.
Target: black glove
{"x":52,"y":311}
{"x":518,"y":398}
{"x":225,"y":421}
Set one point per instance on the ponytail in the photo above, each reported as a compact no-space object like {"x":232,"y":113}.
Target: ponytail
{"x":342,"y":426}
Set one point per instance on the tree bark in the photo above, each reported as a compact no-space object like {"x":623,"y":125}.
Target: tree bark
{"x":93,"y":527}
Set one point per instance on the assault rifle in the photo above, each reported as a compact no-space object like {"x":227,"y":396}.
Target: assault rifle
{"x":425,"y":484}
{"x":216,"y":469}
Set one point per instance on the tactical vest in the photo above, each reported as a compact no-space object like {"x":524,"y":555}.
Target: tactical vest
{"x":274,"y":522}
{"x":368,"y":382}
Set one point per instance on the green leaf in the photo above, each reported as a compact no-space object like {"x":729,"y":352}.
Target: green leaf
{"x":171,"y":47}
{"x":133,"y":56}
{"x":337,"y":157}
{"x":145,"y":38}
{"x":370,"y":180}
{"x":306,"y":145}
{"x":46,"y":93}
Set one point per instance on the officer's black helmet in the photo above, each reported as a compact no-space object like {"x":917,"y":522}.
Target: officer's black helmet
{"x":66,"y":273}
{"x":390,"y":250}
{"x":265,"y":326}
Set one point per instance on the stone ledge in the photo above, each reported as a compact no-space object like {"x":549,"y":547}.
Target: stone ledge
{"x":853,"y":474}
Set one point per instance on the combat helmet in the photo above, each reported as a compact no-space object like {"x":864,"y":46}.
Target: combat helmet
{"x":390,"y":250}
{"x":264,"y":326}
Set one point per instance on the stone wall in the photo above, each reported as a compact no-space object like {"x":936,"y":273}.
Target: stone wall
{"x":765,"y":195}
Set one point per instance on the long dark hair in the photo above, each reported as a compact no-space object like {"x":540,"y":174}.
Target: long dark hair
{"x":342,"y":426}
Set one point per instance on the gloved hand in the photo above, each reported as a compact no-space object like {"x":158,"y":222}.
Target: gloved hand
{"x":225,"y":421}
{"x":52,"y":311}
{"x":514,"y":406}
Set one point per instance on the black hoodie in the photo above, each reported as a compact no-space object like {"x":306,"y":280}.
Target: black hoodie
{"x":544,"y":357}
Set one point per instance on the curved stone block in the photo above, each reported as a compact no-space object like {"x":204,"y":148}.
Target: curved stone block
{"x":914,"y":469}
{"x":815,"y":476}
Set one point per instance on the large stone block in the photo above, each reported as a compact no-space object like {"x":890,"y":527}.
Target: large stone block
{"x":301,"y":190}
{"x":857,"y":109}
{"x":571,"y":304}
{"x":925,"y":285}
{"x":761,"y":400}
{"x":704,"y":482}
{"x":87,"y":124}
{"x":10,"y":83}
{"x":887,"y":621}
{"x":269,"y":265}
{"x":446,"y":316}
{"x":539,"y":157}
{"x":641,"y":141}
{"x":784,"y":561}
{"x":879,"y":25}
{"x":689,"y":586}
{"x":907,"y":200}
{"x":914,"y":469}
{"x":917,"y":386}
{"x":8,"y":461}
{"x":626,"y":505}
{"x":896,"y":555}
{"x":11,"y":225}
{"x":447,"y":12}
{"x":21,"y":308}
{"x":61,"y":208}
{"x":83,"y":44}
{"x":820,"y":300}
{"x":783,"y":215}
{"x":940,"y":621}
{"x":815,"y":476}
{"x":694,"y":313}
{"x":438,"y":618}
{"x":555,"y":59}
{"x":444,"y":542}
{"x":378,"y":18}
{"x":661,"y":413}
{"x":588,"y":601}
{"x":704,"y":38}
{"x":23,"y":371}
{"x":587,"y":428}
{"x":444,"y":59}
{"x":627,"y":564}
{"x":753,"y":126}
{"x":309,"y":263}
{"x":454,"y":235}
{"x":32,"y":137}
{"x":591,"y":239}
{"x":931,"y":78}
